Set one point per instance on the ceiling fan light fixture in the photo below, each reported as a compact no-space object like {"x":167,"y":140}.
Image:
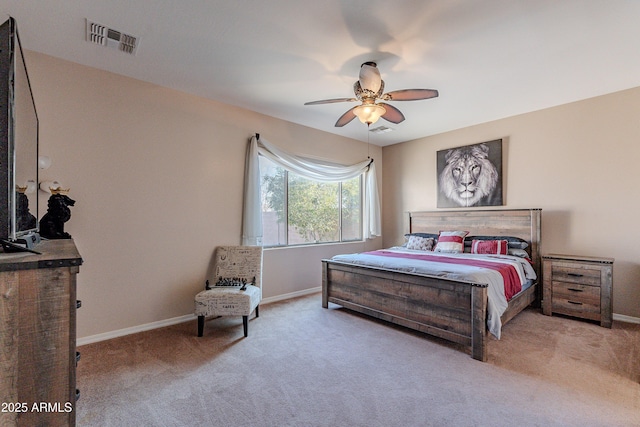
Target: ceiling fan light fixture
{"x":369,"y":113}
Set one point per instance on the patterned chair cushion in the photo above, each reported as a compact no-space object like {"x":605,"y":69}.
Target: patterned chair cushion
{"x":227,"y":301}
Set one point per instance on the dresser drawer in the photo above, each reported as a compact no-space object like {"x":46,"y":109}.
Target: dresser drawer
{"x":575,"y":273}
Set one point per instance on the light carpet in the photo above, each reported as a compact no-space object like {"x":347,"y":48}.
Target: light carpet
{"x":303,"y":365}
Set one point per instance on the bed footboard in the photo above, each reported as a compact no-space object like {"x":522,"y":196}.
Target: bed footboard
{"x":448,"y":309}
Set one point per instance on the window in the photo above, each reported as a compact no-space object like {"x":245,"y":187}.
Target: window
{"x":298,"y":211}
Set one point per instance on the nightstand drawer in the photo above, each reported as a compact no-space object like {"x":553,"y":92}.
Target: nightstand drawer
{"x":577,"y":294}
{"x":575,"y":273}
{"x":577,"y":309}
{"x":576,"y":300}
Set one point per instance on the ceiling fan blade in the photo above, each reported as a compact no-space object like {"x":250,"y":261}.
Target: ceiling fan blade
{"x":346,"y":118}
{"x":330,"y":101}
{"x":392,"y":115}
{"x":410,"y":94}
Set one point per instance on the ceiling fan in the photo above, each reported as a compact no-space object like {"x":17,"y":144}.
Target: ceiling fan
{"x":368,"y":89}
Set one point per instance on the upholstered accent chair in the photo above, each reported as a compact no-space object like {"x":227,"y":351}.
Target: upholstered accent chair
{"x":238,"y":286}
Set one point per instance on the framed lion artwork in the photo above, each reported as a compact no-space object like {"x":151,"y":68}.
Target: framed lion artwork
{"x":470,"y":176}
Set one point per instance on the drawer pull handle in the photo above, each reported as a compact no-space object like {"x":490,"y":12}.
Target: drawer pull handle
{"x":574,"y":302}
{"x":575,"y":290}
{"x":575,"y":274}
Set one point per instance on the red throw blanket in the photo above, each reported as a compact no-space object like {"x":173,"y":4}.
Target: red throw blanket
{"x":509,"y":274}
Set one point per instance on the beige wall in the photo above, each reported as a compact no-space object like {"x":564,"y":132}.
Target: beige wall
{"x":158,"y":177}
{"x":578,"y":162}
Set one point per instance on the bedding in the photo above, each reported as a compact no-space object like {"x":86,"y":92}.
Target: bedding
{"x":505,"y":275}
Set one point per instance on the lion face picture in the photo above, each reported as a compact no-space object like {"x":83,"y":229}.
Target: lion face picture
{"x":470,"y":175}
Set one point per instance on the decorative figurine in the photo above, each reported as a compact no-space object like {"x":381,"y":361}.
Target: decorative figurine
{"x":24,"y":219}
{"x":58,"y":212}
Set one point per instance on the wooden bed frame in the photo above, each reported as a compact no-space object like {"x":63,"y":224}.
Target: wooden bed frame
{"x":449,"y":309}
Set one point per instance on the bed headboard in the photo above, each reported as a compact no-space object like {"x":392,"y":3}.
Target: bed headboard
{"x":522,"y":223}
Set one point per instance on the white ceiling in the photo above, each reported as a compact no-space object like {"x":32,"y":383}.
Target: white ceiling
{"x":489,"y":59}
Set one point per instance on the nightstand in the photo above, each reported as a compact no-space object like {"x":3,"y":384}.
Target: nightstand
{"x":578,"y":286}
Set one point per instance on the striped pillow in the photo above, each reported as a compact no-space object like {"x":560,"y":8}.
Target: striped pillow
{"x":500,"y":247}
{"x":451,"y":242}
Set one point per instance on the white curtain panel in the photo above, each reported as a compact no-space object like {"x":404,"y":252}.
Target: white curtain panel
{"x":252,"y":209}
{"x":307,"y":168}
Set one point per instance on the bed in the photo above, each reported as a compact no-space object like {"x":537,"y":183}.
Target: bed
{"x":452,"y":309}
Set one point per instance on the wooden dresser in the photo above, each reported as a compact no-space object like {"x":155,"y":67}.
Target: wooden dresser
{"x":578,"y":286}
{"x":38,"y":335}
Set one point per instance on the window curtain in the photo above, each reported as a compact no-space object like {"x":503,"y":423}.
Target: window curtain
{"x":252,"y":209}
{"x":308,"y":168}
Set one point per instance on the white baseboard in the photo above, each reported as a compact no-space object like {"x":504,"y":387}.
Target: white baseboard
{"x":174,"y":321}
{"x":628,"y":319}
{"x":134,"y":329}
{"x":291,"y":295}
{"x":181,"y":319}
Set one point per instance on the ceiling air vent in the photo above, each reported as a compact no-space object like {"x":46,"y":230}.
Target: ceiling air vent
{"x":380,"y":129}
{"x":99,"y":34}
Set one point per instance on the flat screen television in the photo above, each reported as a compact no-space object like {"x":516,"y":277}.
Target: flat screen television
{"x":18,"y":144}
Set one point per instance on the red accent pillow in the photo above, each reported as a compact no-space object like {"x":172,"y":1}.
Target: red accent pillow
{"x":500,"y":247}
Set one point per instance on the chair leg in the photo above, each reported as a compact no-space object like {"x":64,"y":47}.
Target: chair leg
{"x":257,"y":311}
{"x":245,"y":325}
{"x":200,"y":325}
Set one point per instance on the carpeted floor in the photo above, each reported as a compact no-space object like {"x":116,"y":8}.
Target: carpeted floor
{"x":303,"y":365}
